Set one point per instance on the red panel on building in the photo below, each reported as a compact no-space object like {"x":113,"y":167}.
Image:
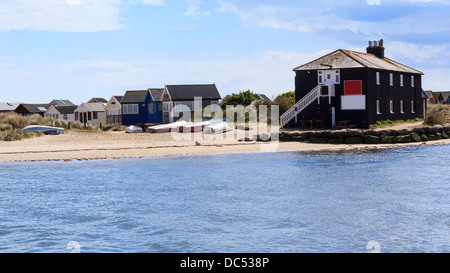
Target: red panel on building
{"x":352,"y":88}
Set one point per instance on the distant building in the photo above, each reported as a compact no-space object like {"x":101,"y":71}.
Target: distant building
{"x":114,"y":110}
{"x":135,"y":107}
{"x":62,"y":103}
{"x":8,"y":106}
{"x":25,"y":109}
{"x":430,"y":97}
{"x":97,"y":100}
{"x":175,"y":96}
{"x":91,"y":113}
{"x":264,"y":97}
{"x":63,"y":112}
{"x":442,"y":97}
{"x":353,"y":88}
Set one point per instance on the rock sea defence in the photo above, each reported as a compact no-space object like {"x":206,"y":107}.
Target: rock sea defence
{"x":360,"y":136}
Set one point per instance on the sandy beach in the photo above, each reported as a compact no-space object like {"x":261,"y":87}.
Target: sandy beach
{"x":112,"y":145}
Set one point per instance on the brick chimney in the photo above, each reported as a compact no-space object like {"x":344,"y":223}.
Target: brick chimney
{"x":376,"y":48}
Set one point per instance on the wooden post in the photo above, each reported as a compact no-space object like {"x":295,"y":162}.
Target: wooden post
{"x":68,"y":125}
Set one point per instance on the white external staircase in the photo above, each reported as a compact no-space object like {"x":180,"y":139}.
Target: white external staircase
{"x":300,"y":105}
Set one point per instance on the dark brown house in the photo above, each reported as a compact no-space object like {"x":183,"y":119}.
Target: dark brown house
{"x":353,"y":88}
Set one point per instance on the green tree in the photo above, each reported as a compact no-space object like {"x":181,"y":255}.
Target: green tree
{"x":285,"y":101}
{"x":243,"y":98}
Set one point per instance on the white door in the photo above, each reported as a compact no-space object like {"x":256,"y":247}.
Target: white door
{"x":329,"y":77}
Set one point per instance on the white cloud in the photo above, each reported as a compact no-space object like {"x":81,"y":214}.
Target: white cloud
{"x":56,"y":15}
{"x":294,"y":18}
{"x":64,"y":15}
{"x":194,"y":10}
{"x":418,"y":53}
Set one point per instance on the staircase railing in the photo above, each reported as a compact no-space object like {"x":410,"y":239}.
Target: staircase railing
{"x":300,"y":105}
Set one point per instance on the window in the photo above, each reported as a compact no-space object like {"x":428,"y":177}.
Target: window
{"x":338,"y":78}
{"x":64,"y":117}
{"x":391,"y":79}
{"x":113,"y":102}
{"x":89,"y":116}
{"x":378,"y":78}
{"x":401,"y":107}
{"x":95,"y":115}
{"x":76,"y":115}
{"x":401,"y":80}
{"x":130,"y":109}
{"x":320,"y":77}
{"x":192,"y":105}
{"x":413,"y":110}
{"x":378,"y":107}
{"x":412,"y":81}
{"x":391,"y":106}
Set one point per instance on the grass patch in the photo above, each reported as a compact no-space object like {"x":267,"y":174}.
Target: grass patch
{"x":388,"y":123}
{"x":17,"y":134}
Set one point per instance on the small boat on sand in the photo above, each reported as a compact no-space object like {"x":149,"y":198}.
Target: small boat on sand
{"x":134,"y":129}
{"x":44,"y":129}
{"x":164,"y":128}
{"x":193,"y":127}
{"x":216,"y":128}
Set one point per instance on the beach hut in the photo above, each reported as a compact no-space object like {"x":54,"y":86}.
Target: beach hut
{"x":114,"y":110}
{"x":6,"y":107}
{"x":142,"y":107}
{"x":91,"y":113}
{"x":349,"y":88}
{"x":26,"y":109}
{"x":61,"y":112}
{"x":97,"y":100}
{"x":176,"y":96}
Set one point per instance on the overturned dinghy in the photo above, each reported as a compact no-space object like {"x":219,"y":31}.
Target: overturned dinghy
{"x":44,"y":129}
{"x":216,"y":128}
{"x":164,"y":128}
{"x":134,"y":129}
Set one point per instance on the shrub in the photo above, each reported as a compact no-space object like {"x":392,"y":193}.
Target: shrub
{"x":437,"y":114}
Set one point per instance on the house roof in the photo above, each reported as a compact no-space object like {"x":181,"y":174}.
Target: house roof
{"x":445,"y":94}
{"x":156,"y":93}
{"x":62,"y":102}
{"x":94,"y":106}
{"x":8,"y":106}
{"x":342,"y":58}
{"x":264,"y":97}
{"x":189,"y":92}
{"x":97,"y":100}
{"x":36,"y":108}
{"x":138,"y":96}
{"x":65,"y":110}
{"x":118,"y":98}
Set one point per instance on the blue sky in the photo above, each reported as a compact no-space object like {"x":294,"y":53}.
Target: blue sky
{"x":79,"y":49}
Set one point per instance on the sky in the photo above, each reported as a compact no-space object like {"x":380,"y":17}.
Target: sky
{"x":79,"y":49}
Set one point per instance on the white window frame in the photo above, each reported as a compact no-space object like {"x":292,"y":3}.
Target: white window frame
{"x":338,"y":77}
{"x":378,"y":107}
{"x":401,"y":80}
{"x":412,"y":80}
{"x":401,"y":107}
{"x":378,"y":80}
{"x":391,"y":106}
{"x":131,"y":109}
{"x":320,"y":77}
{"x":412,"y":107}
{"x":391,"y":79}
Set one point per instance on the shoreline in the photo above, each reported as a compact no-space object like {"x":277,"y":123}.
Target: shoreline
{"x":80,"y":147}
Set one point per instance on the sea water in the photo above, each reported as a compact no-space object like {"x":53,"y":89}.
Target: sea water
{"x":392,"y":200}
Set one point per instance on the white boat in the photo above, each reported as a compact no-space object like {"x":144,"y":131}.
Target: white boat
{"x":163,"y":128}
{"x":193,"y":127}
{"x":44,"y":129}
{"x":216,"y":128}
{"x":134,"y":129}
